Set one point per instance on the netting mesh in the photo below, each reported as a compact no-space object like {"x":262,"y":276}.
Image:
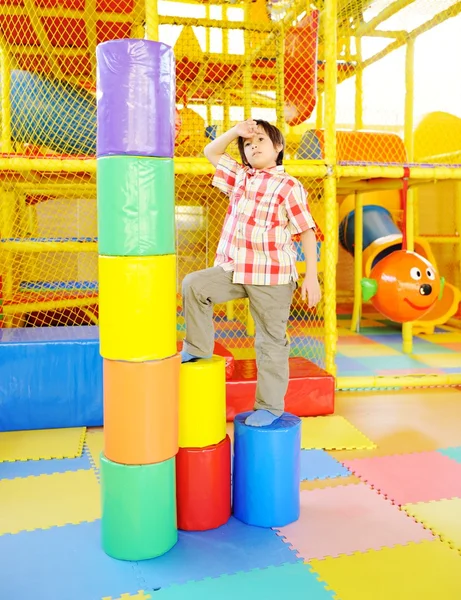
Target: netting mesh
{"x":260,"y":59}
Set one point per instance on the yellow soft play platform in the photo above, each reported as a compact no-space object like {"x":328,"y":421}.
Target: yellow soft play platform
{"x":41,"y":444}
{"x":45,"y":501}
{"x":332,"y":432}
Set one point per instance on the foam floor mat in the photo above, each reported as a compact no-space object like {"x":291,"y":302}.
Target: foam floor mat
{"x":343,"y":520}
{"x":443,"y":517}
{"x":41,"y":444}
{"x":48,"y":500}
{"x":422,"y":571}
{"x":332,"y":432}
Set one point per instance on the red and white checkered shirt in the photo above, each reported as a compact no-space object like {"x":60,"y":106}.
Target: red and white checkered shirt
{"x":267,"y":207}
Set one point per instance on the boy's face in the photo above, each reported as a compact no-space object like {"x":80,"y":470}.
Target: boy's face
{"x":260,"y":152}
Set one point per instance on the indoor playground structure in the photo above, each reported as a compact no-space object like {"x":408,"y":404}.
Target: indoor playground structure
{"x":127,"y":475}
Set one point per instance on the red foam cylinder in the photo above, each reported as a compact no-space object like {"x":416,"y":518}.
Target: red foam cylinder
{"x":203,"y":486}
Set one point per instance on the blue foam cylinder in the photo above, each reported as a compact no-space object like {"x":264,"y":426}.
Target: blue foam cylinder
{"x":266,"y":474}
{"x":377,"y":223}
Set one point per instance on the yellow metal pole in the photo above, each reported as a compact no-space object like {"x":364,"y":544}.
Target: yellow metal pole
{"x":152,"y":20}
{"x":7,"y":225}
{"x":385,"y":14}
{"x":331,"y":226}
{"x":458,"y":232}
{"x":407,"y":328}
{"x":358,"y":86}
{"x":6,"y":106}
{"x":404,"y":381}
{"x":442,"y":16}
{"x":319,"y":113}
{"x":280,"y":80}
{"x":358,"y":258}
{"x":227,"y":95}
{"x":247,"y":86}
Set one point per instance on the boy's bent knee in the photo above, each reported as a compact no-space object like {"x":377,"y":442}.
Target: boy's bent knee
{"x":190,"y":282}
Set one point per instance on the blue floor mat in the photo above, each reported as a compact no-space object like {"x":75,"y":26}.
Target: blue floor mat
{"x":68,"y":563}
{"x":453,"y":453}
{"x":287,"y":581}
{"x":231,"y":548}
{"x":33,"y":468}
{"x":62,"y":563}
{"x":318,"y":464}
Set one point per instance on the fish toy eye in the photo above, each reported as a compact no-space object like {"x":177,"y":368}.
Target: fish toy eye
{"x":430,"y":274}
{"x":415,"y":273}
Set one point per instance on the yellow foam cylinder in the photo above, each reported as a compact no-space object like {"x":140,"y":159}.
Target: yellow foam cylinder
{"x":202,"y":403}
{"x":137,"y":307}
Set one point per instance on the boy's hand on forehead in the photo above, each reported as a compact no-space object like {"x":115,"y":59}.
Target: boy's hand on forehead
{"x":246,"y":129}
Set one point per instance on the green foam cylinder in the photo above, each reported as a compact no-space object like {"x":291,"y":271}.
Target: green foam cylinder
{"x":135,"y":206}
{"x":138,"y":509}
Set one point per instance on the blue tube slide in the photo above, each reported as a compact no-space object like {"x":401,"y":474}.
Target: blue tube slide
{"x":51,"y":113}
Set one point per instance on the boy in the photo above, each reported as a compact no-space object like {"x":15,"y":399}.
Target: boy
{"x":255,"y":258}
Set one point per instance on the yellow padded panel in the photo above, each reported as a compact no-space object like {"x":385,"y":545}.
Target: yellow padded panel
{"x":137,"y":307}
{"x":202,"y":403}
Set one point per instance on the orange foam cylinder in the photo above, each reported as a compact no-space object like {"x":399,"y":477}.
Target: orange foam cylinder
{"x":141,"y":410}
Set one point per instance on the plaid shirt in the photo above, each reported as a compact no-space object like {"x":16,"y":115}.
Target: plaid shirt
{"x":267,"y":207}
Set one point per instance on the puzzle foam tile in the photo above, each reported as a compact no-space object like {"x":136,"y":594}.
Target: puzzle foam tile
{"x":231,"y":548}
{"x":422,"y":571}
{"x":453,"y":453}
{"x":318,"y":464}
{"x":443,"y":361}
{"x":95,"y":444}
{"x":63,"y":563}
{"x":371,"y":349}
{"x":41,"y":444}
{"x":48,"y":500}
{"x":139,"y":596}
{"x":442,"y":517}
{"x":410,"y":478}
{"x":343,"y":520}
{"x":33,"y":468}
{"x":317,"y":484}
{"x":332,"y":432}
{"x":273,"y":583}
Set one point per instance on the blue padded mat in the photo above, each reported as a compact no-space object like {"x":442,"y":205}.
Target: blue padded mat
{"x":32,"y":468}
{"x":62,"y":563}
{"x":50,"y":377}
{"x":318,"y":464}
{"x":231,"y":548}
{"x":274,"y":583}
{"x":67,"y":563}
{"x":453,"y":453}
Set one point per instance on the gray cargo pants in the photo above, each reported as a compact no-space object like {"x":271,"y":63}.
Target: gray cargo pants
{"x":270,"y":309}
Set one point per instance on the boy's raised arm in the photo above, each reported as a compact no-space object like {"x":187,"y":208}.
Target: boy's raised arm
{"x":215,"y":149}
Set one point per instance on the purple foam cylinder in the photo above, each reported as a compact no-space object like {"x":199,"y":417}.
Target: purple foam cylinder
{"x":136,"y":93}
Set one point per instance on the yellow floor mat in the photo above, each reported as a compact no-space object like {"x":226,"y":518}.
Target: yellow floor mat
{"x":332,"y":432}
{"x":49,"y":500}
{"x":442,"y":517}
{"x":41,"y":444}
{"x":95,"y":443}
{"x":424,"y":571}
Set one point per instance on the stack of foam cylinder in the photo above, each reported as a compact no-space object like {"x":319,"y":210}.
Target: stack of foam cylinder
{"x":203,"y":463}
{"x":137,"y":297}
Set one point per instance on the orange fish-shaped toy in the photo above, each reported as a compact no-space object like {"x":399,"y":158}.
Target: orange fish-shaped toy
{"x":403,"y":286}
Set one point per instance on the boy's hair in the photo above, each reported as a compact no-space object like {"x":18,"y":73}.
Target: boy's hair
{"x":275,"y":136}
